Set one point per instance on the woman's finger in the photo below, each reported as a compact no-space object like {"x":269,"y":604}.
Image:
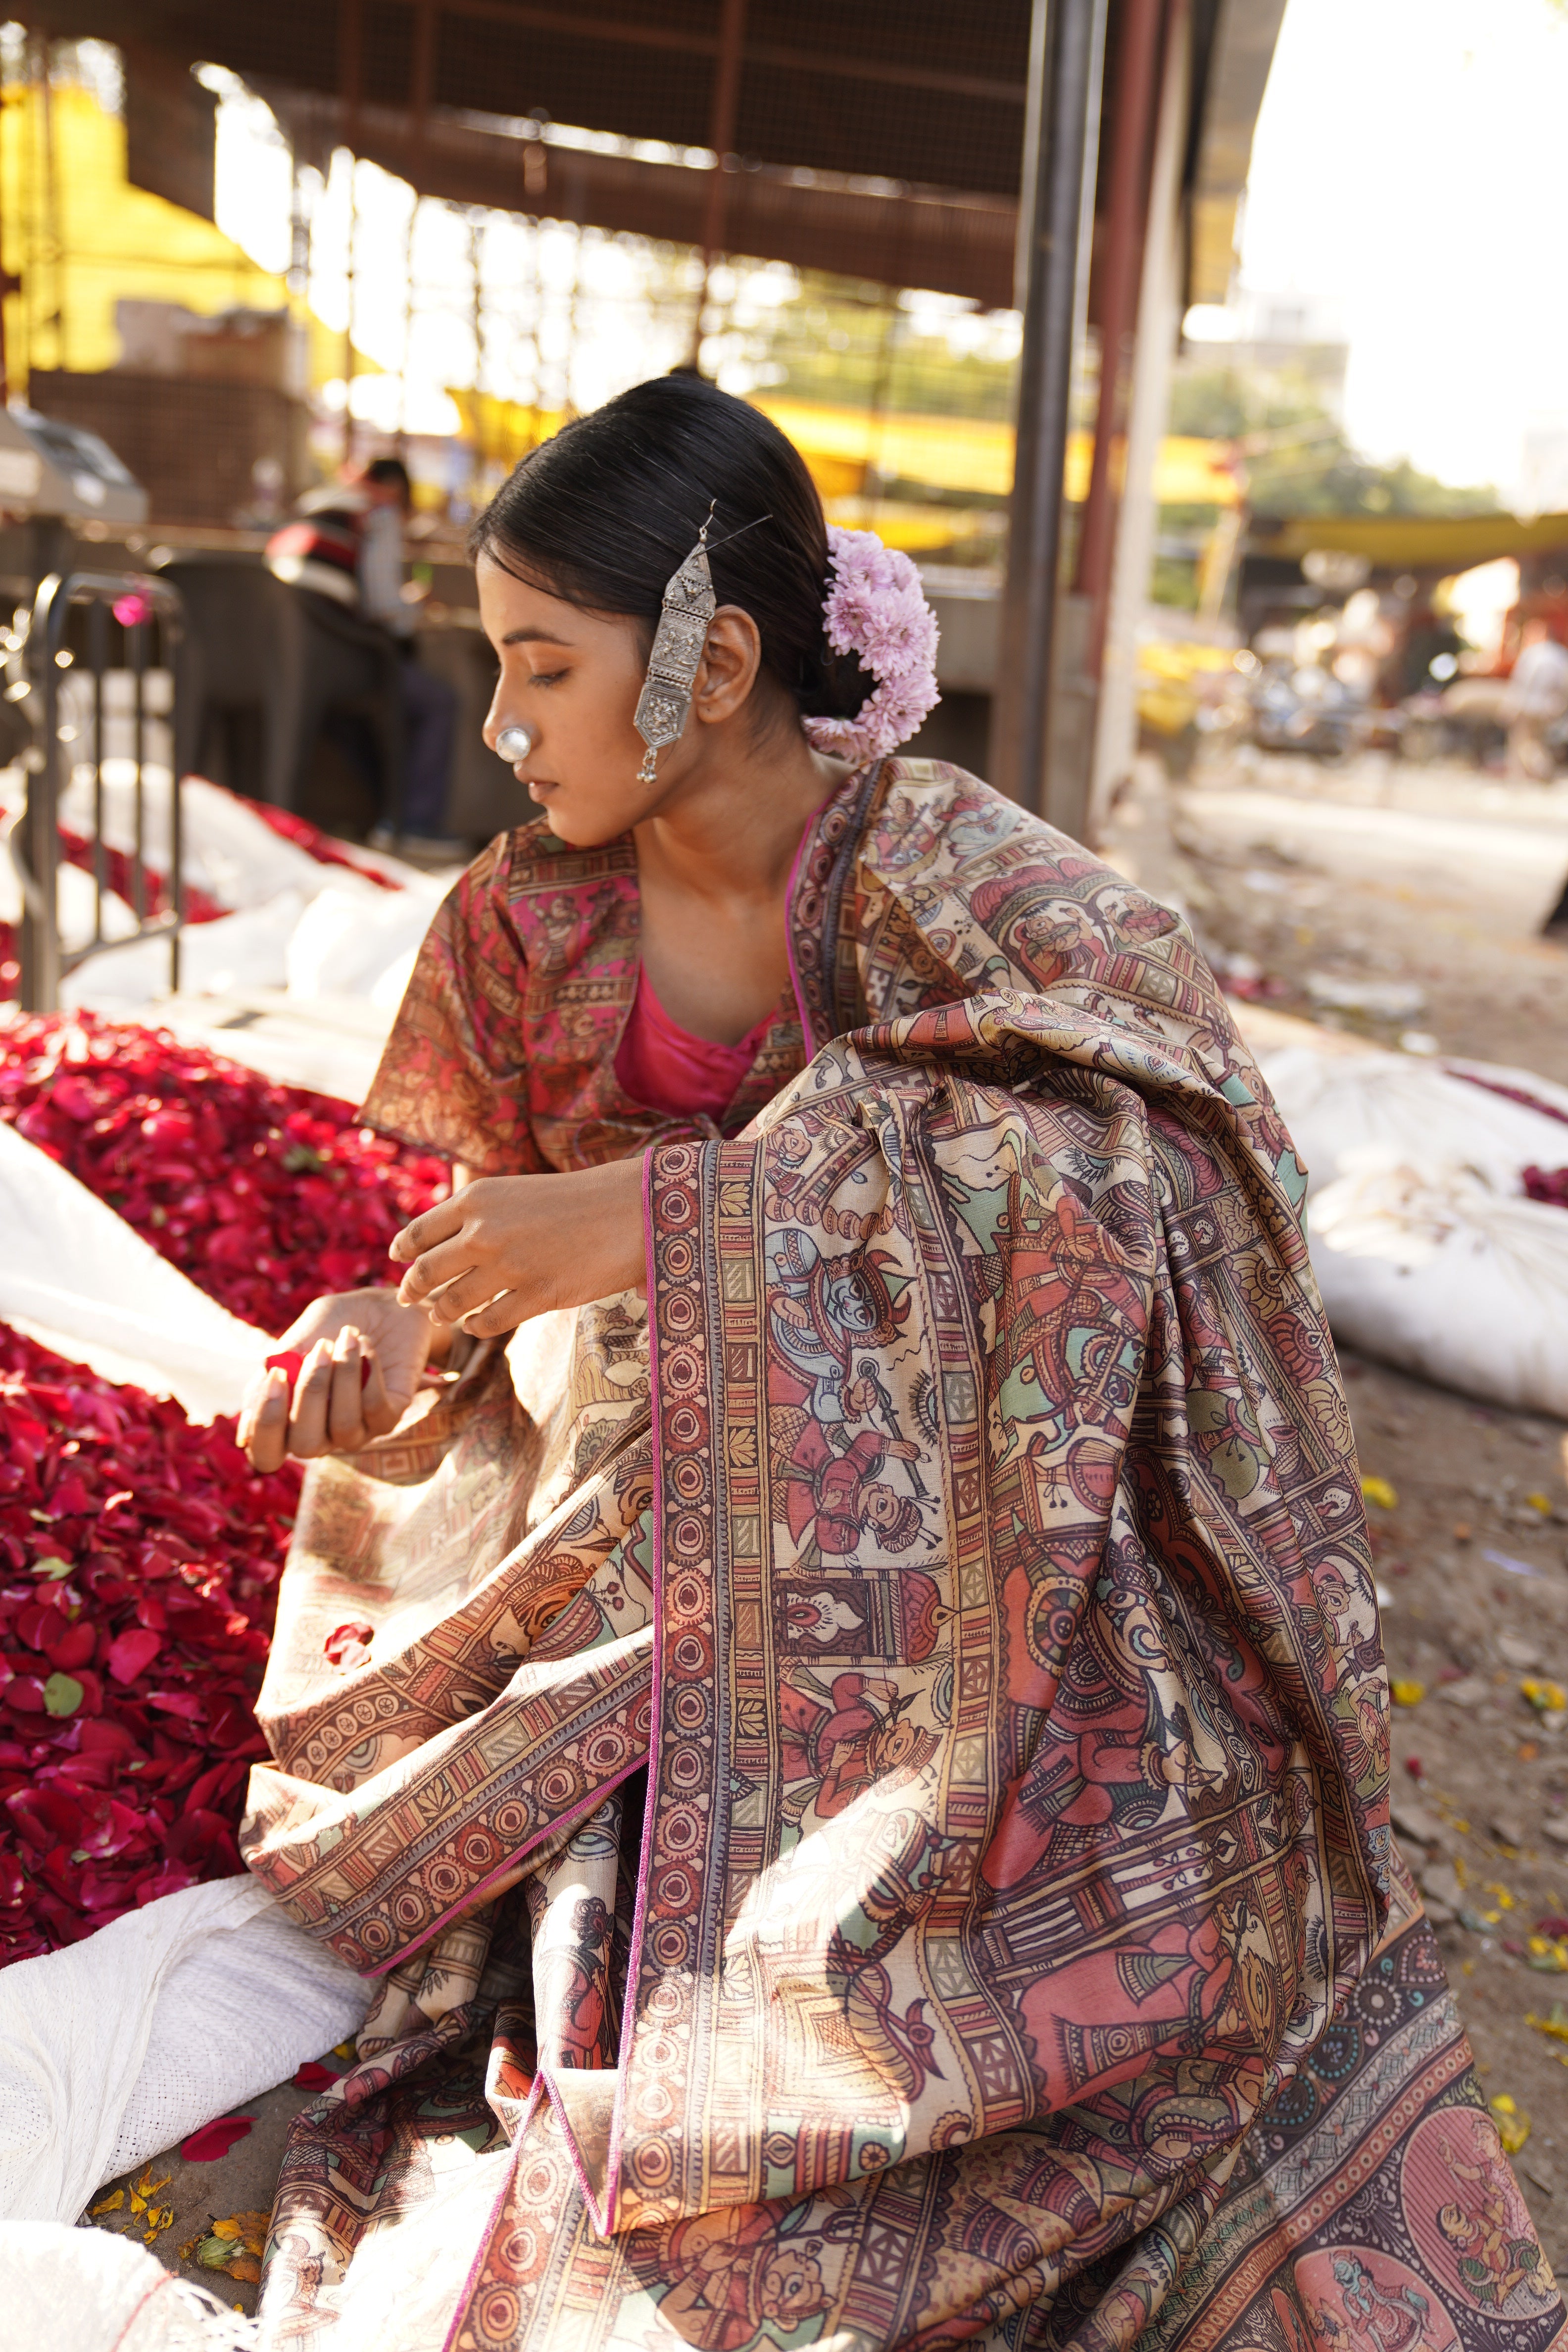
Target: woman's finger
{"x":446,"y":1262}
{"x":456,"y":1299}
{"x":437,"y":1224}
{"x":263,"y":1430}
{"x":502,"y":1314}
{"x":381,"y":1414}
{"x":345,"y":1404}
{"x":312,"y":1394}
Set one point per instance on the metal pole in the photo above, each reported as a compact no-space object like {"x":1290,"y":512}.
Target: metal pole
{"x":98,"y":659}
{"x":1136,"y":78}
{"x":477,"y":289}
{"x":39,"y":828}
{"x":351,"y":74}
{"x":722,"y":139}
{"x":1147,"y":404}
{"x":175,"y":659}
{"x":1069,"y":61}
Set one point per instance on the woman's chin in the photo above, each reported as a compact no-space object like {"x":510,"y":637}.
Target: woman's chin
{"x":579,"y":828}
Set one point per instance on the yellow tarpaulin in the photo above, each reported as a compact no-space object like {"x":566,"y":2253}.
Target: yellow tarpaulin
{"x":1421,"y":543}
{"x":973,"y":454}
{"x":117,"y":243}
{"x":504,"y":430}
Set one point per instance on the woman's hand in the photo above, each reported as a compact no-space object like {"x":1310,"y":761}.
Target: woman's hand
{"x":363,"y":1358}
{"x":507,"y":1247}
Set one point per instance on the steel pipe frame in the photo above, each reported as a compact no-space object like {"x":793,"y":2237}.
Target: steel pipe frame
{"x":1141,"y":25}
{"x":35,"y":843}
{"x":1066,"y":58}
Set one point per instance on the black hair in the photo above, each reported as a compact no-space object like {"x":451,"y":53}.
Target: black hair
{"x":605,"y":512}
{"x":389,"y":469}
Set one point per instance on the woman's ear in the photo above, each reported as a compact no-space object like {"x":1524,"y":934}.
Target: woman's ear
{"x":727,"y":671}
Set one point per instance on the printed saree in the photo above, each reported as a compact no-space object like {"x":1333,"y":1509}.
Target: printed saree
{"x":864,"y":1777}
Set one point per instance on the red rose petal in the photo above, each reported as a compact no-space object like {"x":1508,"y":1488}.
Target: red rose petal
{"x":117,"y":1517}
{"x":74,"y":1647}
{"x":215,"y":2139}
{"x":131,"y":1654}
{"x":313,"y":2077}
{"x":349,"y":1646}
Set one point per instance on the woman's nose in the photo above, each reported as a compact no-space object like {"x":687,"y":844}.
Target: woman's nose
{"x":513,"y":744}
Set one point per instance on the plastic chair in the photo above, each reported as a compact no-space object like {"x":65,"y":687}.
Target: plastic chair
{"x":283,"y":660}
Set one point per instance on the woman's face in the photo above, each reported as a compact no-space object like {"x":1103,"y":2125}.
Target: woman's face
{"x":573,"y":679}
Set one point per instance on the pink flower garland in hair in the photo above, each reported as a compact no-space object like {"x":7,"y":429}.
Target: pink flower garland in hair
{"x":874,"y":607}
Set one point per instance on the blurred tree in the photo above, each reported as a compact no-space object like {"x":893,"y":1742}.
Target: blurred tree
{"x":847,"y":346}
{"x":1298,"y":459}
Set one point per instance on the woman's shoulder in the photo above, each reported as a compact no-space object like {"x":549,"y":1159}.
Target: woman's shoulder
{"x":930,"y":812}
{"x":546,"y":894}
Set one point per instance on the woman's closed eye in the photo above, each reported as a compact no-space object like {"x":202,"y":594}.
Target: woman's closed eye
{"x":547,"y":678}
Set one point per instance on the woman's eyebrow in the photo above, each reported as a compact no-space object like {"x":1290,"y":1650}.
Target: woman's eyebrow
{"x":533,"y":637}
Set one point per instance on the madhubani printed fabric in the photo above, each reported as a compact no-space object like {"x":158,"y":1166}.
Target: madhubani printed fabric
{"x":865,"y":1778}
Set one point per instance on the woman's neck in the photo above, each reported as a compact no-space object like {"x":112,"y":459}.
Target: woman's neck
{"x":714,"y":868}
{"x":732,"y":830}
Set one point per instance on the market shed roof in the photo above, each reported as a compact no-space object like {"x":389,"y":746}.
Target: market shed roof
{"x":882,"y":141}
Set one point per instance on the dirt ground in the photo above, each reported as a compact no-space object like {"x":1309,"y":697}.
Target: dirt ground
{"x":1433,"y":882}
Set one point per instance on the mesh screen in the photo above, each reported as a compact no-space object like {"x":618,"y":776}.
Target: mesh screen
{"x":918,"y":90}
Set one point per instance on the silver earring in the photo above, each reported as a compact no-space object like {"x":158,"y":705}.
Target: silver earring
{"x":514,"y":744}
{"x":689,"y":604}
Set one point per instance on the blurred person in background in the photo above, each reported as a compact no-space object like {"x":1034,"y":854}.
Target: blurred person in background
{"x":1537,"y":698}
{"x":346,"y":543}
{"x":1426,"y":657}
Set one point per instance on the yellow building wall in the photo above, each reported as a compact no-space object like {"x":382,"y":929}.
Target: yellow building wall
{"x":82,"y":238}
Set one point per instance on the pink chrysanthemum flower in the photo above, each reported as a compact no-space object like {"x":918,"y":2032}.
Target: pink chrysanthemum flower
{"x":875,"y":609}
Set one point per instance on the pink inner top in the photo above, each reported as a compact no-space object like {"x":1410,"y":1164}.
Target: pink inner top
{"x":665,"y":1067}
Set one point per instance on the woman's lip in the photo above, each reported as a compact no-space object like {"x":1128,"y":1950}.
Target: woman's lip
{"x":538,"y":785}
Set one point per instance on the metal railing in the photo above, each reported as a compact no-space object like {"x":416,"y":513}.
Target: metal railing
{"x":84,"y":628}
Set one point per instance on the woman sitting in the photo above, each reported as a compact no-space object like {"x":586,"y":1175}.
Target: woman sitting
{"x":856,"y":1744}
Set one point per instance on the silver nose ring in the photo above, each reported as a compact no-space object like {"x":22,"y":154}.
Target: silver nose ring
{"x":514,"y":744}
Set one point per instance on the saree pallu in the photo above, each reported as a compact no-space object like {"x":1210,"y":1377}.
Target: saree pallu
{"x":866,"y":1779}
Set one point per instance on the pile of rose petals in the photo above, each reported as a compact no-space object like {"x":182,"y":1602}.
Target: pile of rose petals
{"x":265,"y":1196}
{"x":139,"y":1558}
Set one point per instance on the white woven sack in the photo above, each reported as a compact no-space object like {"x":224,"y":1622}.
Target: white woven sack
{"x":65,"y":2290}
{"x":1434,"y":1270}
{"x":116,"y":2048}
{"x":1340,"y":1106}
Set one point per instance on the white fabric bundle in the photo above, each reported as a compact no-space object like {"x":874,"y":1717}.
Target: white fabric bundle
{"x":86,"y":2291}
{"x":238,"y":952}
{"x":1338,"y":1105}
{"x":360,"y":941}
{"x":226,"y":849}
{"x":1434,"y":1270}
{"x":74,"y":1274}
{"x":116,"y":2048}
{"x":1427,"y":1250}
